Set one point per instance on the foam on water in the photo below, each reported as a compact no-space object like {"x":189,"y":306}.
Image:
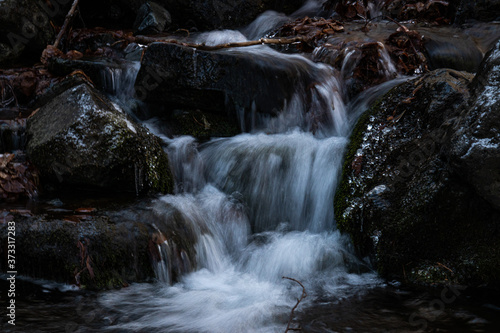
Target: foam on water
{"x":261,"y":207}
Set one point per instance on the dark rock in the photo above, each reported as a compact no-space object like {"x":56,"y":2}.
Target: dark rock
{"x":475,"y":147}
{"x":398,"y":198}
{"x":25,"y":28}
{"x":151,"y":19}
{"x":238,"y":84}
{"x":81,"y":138}
{"x":487,"y":10}
{"x":202,"y":126}
{"x":103,"y":249}
{"x":118,"y":14}
{"x":460,"y":53}
{"x":216,"y":14}
{"x":202,"y":14}
{"x":94,"y":68}
{"x":94,"y":253}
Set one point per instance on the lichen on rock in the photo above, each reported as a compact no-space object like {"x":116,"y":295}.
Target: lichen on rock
{"x":399,"y":199}
{"x":80,"y":138}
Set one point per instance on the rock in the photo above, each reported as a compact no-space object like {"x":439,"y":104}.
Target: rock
{"x":202,"y":14}
{"x":97,"y":69}
{"x":202,"y":126}
{"x":242,"y":85}
{"x":487,"y":10}
{"x":400,"y":201}
{"x":475,"y":147}
{"x":25,"y":28}
{"x":98,"y":249}
{"x":459,"y":53}
{"x":218,"y":14}
{"x":151,"y":19}
{"x":110,"y":13}
{"x":94,"y":253}
{"x":81,"y":139}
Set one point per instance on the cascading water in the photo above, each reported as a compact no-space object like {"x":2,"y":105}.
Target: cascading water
{"x":260,"y":207}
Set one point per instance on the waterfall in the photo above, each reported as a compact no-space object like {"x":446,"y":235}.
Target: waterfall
{"x":259,"y":206}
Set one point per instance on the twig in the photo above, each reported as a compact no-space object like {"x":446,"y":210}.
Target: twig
{"x":204,"y":47}
{"x":440,"y":264}
{"x":67,"y":21}
{"x":302,"y":296}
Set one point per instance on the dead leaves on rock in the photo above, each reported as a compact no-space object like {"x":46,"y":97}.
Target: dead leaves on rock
{"x":312,"y":30}
{"x":21,"y":85}
{"x":434,"y":11}
{"x":53,"y":52}
{"x":17,"y":180}
{"x":351,"y":9}
{"x":406,"y":48}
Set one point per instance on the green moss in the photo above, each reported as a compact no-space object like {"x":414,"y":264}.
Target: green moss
{"x":159,"y":174}
{"x":203,"y":125}
{"x":346,"y":193}
{"x":118,"y":254}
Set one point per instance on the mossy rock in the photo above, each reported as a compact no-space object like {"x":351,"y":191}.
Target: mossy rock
{"x":95,"y":253}
{"x":398,"y":198}
{"x":80,"y":138}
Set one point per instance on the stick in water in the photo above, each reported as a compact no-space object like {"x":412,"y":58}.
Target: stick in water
{"x":304,"y":295}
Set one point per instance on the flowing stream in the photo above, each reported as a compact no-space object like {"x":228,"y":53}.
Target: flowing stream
{"x":261,"y":206}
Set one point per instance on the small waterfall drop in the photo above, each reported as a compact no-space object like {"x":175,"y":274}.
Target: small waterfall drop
{"x":256,"y":207}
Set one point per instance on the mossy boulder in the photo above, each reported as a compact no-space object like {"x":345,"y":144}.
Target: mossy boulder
{"x":103,"y":249}
{"x":95,"y":253}
{"x":25,"y":28}
{"x":399,"y":199}
{"x":475,"y":146}
{"x":80,"y":138}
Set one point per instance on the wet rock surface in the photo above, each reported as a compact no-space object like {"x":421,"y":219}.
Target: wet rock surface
{"x":474,"y":151}
{"x":240,"y":85}
{"x":81,"y":138}
{"x":25,"y":29}
{"x":101,"y":249}
{"x":400,"y":200}
{"x":151,"y":19}
{"x":216,"y":14}
{"x":94,"y":252}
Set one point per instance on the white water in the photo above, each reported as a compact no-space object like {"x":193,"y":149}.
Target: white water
{"x":261,"y":207}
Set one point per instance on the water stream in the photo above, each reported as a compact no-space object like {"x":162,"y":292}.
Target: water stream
{"x":261,"y":206}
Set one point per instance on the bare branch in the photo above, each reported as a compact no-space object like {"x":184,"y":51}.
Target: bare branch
{"x":302,"y":296}
{"x":204,"y":47}
{"x":66,"y":23}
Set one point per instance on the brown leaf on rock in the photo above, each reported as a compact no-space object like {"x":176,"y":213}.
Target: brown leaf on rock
{"x":406,"y":48}
{"x":311,"y":29}
{"x":85,"y":210}
{"x":6,"y":159}
{"x":13,"y":186}
{"x":50,"y":52}
{"x":74,"y":55}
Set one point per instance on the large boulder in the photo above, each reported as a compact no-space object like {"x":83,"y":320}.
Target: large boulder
{"x":151,"y":19}
{"x":475,"y":147}
{"x":81,"y":138}
{"x":89,"y":251}
{"x":399,"y":199}
{"x":25,"y":28}
{"x":99,"y":249}
{"x":217,"y":14}
{"x":486,"y":10}
{"x":200,"y":14}
{"x":243,"y":84}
